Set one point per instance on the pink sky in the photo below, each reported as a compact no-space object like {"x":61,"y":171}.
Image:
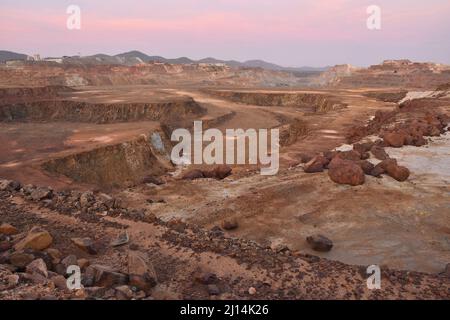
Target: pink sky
{"x":287,"y":32}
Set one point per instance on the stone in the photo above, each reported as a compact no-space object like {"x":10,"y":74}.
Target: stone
{"x":105,"y":276}
{"x":60,"y":282}
{"x":54,"y":254}
{"x":206,"y":278}
{"x":20,"y":259}
{"x":152,"y":179}
{"x":352,"y":155}
{"x":37,"y":266}
{"x":41,"y":193}
{"x":83,"y":263}
{"x":70,"y":260}
{"x":319,"y":243}
{"x":251,"y":291}
{"x":6,"y":228}
{"x":193,"y":174}
{"x":12,"y":280}
{"x":36,"y":239}
{"x":121,"y":239}
{"x":213,"y":290}
{"x":106,"y":200}
{"x":86,"y":199}
{"x":316,"y":164}
{"x":394,"y":139}
{"x":141,"y":272}
{"x":346,"y":172}
{"x":219,"y":172}
{"x":230,"y":224}
{"x":379,"y":153}
{"x":4,"y":184}
{"x":124,"y":292}
{"x":85,"y":244}
{"x":366,"y":166}
{"x":363,"y":147}
{"x":397,"y":172}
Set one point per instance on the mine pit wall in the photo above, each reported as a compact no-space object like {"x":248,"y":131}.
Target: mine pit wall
{"x":310,"y":101}
{"x":75,"y":111}
{"x":18,"y":93}
{"x":118,"y":165}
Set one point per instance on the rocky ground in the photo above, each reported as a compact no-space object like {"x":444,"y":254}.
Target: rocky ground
{"x":125,"y":254}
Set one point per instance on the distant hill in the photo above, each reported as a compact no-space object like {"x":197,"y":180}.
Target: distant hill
{"x":136,"y":57}
{"x":9,"y":55}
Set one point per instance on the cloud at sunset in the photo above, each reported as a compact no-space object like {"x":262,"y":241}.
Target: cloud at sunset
{"x":288,"y":32}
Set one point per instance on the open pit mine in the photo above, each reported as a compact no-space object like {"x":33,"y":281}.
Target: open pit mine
{"x":87,"y":180}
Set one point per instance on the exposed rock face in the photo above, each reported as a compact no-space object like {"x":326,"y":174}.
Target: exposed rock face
{"x":37,"y":239}
{"x":309,"y":101}
{"x":346,"y":172}
{"x":320,"y":243}
{"x":120,"y":164}
{"x":75,"y":111}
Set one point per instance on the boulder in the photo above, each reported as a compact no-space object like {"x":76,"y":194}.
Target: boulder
{"x":366,"y":166}
{"x":397,"y":172}
{"x":363,"y":147}
{"x":193,"y":174}
{"x":152,"y":179}
{"x":379,"y":153}
{"x":70,"y":260}
{"x":320,"y":243}
{"x":39,"y":267}
{"x":141,"y":272}
{"x":316,"y":164}
{"x":346,"y":172}
{"x":105,"y":276}
{"x":21,"y":259}
{"x":230,"y":224}
{"x":41,"y":193}
{"x":86,"y":199}
{"x":36,"y":239}
{"x":218,"y":172}
{"x":6,"y":228}
{"x":394,"y":139}
{"x":351,"y":155}
{"x":86,"y":244}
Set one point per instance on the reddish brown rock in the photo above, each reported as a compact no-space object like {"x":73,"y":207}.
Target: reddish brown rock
{"x":193,"y":174}
{"x":363,"y":147}
{"x":141,"y":272}
{"x":366,"y":166}
{"x":219,"y":172}
{"x":379,"y":153}
{"x":85,"y":244}
{"x":36,"y":239}
{"x":6,"y":228}
{"x":317,"y":164}
{"x":394,"y":139}
{"x":351,"y":155}
{"x":346,"y":172}
{"x":320,"y":243}
{"x":230,"y":224}
{"x":397,"y":172}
